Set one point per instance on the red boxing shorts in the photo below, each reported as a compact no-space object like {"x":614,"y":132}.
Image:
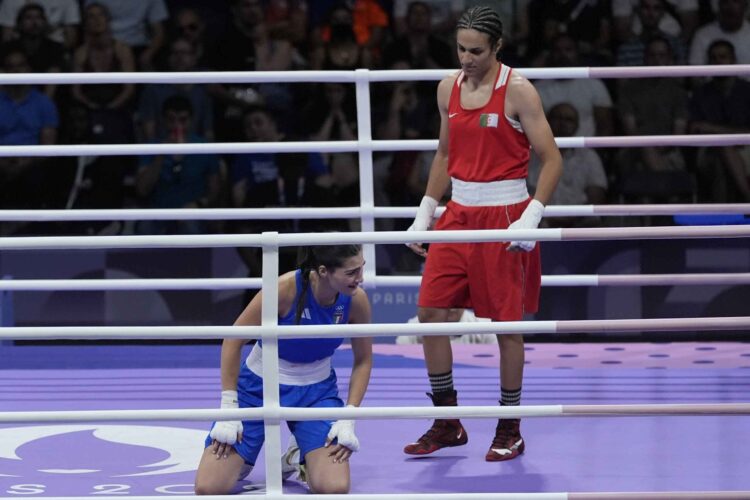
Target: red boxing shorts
{"x":485,"y":277}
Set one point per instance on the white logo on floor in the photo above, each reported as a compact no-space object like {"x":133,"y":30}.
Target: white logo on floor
{"x":184,"y":446}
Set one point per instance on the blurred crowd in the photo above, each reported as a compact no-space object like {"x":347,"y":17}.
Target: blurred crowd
{"x":281,"y":35}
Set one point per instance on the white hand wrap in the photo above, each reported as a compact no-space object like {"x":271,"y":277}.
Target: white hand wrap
{"x":227,"y":431}
{"x":425,"y":213}
{"x":530,"y":219}
{"x":343,"y":432}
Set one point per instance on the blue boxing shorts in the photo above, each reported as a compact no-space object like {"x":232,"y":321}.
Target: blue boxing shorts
{"x":310,"y":434}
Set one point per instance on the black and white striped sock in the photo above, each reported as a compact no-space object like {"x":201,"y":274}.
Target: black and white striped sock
{"x":441,"y":382}
{"x":510,"y":397}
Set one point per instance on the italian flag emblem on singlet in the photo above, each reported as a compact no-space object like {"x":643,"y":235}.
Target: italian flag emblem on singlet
{"x":488,"y":120}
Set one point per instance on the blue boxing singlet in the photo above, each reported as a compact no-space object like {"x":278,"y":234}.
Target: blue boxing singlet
{"x":309,"y":350}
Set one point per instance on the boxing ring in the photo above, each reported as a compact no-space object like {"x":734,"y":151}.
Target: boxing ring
{"x":689,"y":448}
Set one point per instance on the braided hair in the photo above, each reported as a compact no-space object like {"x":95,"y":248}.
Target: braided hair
{"x":310,"y":258}
{"x":485,"y":20}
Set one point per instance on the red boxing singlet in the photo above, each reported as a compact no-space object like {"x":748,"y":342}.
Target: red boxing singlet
{"x":483,"y":146}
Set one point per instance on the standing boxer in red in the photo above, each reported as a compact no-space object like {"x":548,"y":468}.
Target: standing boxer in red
{"x":490,"y":117}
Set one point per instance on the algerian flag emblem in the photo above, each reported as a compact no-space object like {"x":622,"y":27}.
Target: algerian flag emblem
{"x":488,"y":120}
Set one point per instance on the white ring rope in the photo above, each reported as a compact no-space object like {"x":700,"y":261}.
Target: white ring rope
{"x":18,"y":285}
{"x":631,"y":141}
{"x":362,"y":75}
{"x":206,"y":213}
{"x":381,"y":237}
{"x":352,"y":146}
{"x":591,"y":142}
{"x":666,"y":140}
{"x":303,"y":213}
{"x":183,"y":148}
{"x":587,"y":280}
{"x":381,"y":412}
{"x":372,"y":329}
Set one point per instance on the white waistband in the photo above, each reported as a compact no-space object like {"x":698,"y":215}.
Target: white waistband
{"x":496,"y":193}
{"x":291,"y":373}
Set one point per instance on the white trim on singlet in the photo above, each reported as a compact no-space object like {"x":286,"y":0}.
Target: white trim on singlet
{"x":291,"y":373}
{"x":504,"y":74}
{"x":503,"y":80}
{"x":514,"y":123}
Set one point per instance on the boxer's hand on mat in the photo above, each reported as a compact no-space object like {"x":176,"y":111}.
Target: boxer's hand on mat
{"x":343,"y":432}
{"x":339,"y":453}
{"x":226,"y":433}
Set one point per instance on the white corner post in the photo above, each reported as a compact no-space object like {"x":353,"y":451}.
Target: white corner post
{"x":269,"y":322}
{"x":366,"y":184}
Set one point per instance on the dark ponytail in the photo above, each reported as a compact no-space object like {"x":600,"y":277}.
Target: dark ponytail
{"x":306,"y":263}
{"x":310,"y":258}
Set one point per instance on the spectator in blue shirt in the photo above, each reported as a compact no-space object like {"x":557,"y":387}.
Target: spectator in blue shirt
{"x":177,"y":181}
{"x":260,"y":180}
{"x":27,"y":117}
